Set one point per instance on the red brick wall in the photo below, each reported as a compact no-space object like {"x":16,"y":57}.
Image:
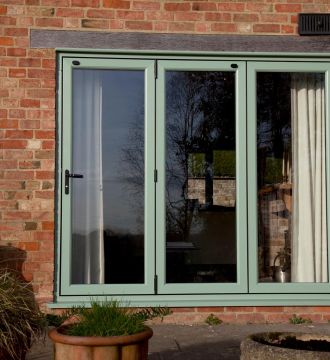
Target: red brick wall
{"x":27,"y":101}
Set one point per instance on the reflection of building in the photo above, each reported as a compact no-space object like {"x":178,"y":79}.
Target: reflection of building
{"x":224,"y":191}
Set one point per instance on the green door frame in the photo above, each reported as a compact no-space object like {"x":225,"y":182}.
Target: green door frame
{"x":66,"y":288}
{"x":241,"y":224}
{"x":252,"y":69}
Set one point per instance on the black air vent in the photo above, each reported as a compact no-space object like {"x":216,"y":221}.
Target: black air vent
{"x":314,"y":24}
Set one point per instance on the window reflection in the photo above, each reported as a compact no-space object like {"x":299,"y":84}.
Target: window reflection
{"x":291,"y":177}
{"x":200,"y":177}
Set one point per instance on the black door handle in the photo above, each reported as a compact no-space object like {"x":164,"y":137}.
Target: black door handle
{"x":68,"y":175}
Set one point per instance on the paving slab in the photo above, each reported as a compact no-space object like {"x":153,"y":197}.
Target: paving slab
{"x":196,"y":342}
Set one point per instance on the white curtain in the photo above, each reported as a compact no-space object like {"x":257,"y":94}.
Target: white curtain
{"x":309,"y":238}
{"x":87,"y":193}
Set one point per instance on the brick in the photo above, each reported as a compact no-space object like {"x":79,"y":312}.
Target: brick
{"x":49,"y":22}
{"x":17,"y":154}
{"x":106,"y":14}
{"x":246,"y":18}
{"x":116,"y":4}
{"x":19,"y":134}
{"x":266,"y":28}
{"x":177,"y":6}
{"x":44,"y":154}
{"x":40,"y":93}
{"x":7,"y":20}
{"x":204,"y":6}
{"x":85,"y":3}
{"x":17,"y":215}
{"x":29,"y":164}
{"x":48,"y":145}
{"x":222,"y":17}
{"x":6,"y":41}
{"x":159,"y":15}
{"x":29,"y":246}
{"x":19,"y":175}
{"x":18,"y":195}
{"x":231,"y":6}
{"x":131,"y":15}
{"x":271,"y":309}
{"x":29,"y":124}
{"x":29,"y":62}
{"x":43,"y":175}
{"x":45,"y":134}
{"x":181,"y":26}
{"x":18,"y":73}
{"x":17,"y":52}
{"x":239,"y":309}
{"x":13,"y":144}
{"x":70,"y":12}
{"x":287,"y":29}
{"x":30,"y":225}
{"x":263,"y":8}
{"x":274,"y":18}
{"x":44,"y":194}
{"x":16,"y":31}
{"x":29,"y":103}
{"x":41,"y":73}
{"x":3,"y":10}
{"x":29,"y":83}
{"x":16,"y":113}
{"x":288,"y":8}
{"x":138,"y":25}
{"x":146,"y":5}
{"x":8,"y":164}
{"x":97,"y":24}
{"x":224,"y":27}
{"x":188,"y":16}
{"x":11,"y":185}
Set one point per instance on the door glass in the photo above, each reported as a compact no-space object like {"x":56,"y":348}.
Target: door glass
{"x":108,"y":202}
{"x":200,"y":177}
{"x":292,"y":241}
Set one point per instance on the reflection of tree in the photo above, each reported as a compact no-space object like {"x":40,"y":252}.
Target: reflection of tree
{"x":274,"y":122}
{"x":200,"y":117}
{"x":133,"y":166}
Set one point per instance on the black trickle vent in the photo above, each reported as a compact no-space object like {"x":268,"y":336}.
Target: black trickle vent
{"x":314,"y":24}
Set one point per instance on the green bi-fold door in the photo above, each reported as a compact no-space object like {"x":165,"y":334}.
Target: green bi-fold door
{"x":201,"y":163}
{"x":152,"y":177}
{"x":107,"y":186}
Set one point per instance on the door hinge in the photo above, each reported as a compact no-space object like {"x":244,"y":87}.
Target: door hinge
{"x":155,"y":175}
{"x":156,"y":284}
{"x":156,"y":69}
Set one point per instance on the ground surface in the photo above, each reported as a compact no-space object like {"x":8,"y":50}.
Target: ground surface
{"x":197,"y":342}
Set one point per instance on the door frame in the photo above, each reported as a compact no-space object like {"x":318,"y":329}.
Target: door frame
{"x":66,"y":288}
{"x":241,"y":202}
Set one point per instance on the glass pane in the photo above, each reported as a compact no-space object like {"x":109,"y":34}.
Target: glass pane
{"x":108,"y":202}
{"x":200,"y":177}
{"x":292,"y":244}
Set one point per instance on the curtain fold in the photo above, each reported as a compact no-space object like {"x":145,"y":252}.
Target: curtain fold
{"x":87,"y":193}
{"x":309,"y":238}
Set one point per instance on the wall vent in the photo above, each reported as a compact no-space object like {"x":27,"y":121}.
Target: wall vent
{"x":314,"y":24}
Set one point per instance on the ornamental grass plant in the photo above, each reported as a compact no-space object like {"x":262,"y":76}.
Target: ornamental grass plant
{"x":21,"y":322}
{"x":109,"y":318}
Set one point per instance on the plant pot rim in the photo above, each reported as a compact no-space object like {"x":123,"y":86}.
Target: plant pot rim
{"x":57,"y":335}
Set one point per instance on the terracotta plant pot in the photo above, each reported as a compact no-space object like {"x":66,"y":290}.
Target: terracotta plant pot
{"x":129,"y":347}
{"x":285,"y":345}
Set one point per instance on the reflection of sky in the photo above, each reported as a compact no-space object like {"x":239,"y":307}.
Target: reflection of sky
{"x":122,"y":104}
{"x":122,"y":109}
